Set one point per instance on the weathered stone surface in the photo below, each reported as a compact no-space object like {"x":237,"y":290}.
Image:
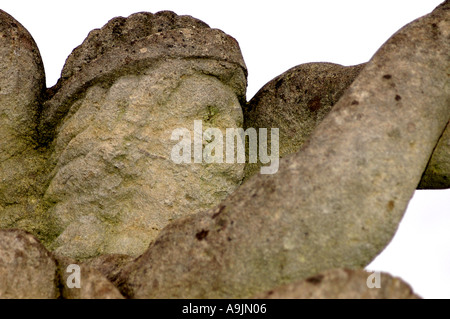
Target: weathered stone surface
{"x":102,"y":146}
{"x":437,"y":173}
{"x":343,"y":284}
{"x":27,"y":269}
{"x":93,"y":284}
{"x":336,"y":203}
{"x":22,"y":84}
{"x":122,"y":31}
{"x":296,"y":102}
{"x":99,"y":148}
{"x":114,"y":185}
{"x":130,"y":47}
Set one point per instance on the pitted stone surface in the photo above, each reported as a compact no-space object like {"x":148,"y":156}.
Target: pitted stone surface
{"x":114,"y":184}
{"x":296,"y":102}
{"x":87,"y":165}
{"x":336,"y":203}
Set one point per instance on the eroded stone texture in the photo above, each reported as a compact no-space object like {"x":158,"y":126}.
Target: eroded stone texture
{"x":114,"y":184}
{"x":296,"y":102}
{"x":129,"y":46}
{"x":27,"y":269}
{"x":344,"y":284}
{"x":99,"y":147}
{"x":22,"y":84}
{"x":337,"y":203}
{"x":122,"y":31}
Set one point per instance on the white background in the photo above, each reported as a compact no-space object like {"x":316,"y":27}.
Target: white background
{"x":275,"y":36}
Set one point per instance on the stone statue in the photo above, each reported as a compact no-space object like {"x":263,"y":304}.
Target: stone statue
{"x":87,"y":166}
